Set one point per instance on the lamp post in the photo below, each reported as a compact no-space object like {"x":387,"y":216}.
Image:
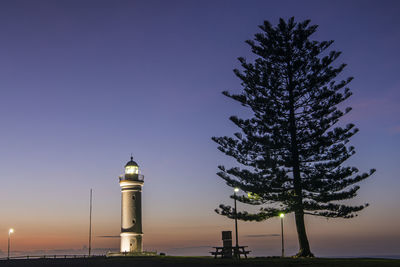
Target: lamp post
{"x":9,"y":237}
{"x":236,"y":228}
{"x":282,"y":215}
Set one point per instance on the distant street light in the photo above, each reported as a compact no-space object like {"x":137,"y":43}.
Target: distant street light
{"x":236,"y":190}
{"x":9,"y":237}
{"x":282,"y":215}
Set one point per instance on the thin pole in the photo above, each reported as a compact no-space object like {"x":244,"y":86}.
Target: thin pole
{"x":8,"y":251}
{"x":90,"y":223}
{"x":236,"y":228}
{"x":283,"y":245}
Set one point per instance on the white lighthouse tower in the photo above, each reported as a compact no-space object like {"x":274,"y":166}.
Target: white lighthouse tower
{"x":131,"y":208}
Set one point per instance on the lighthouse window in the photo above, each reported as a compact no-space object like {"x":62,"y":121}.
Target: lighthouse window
{"x":133,"y":221}
{"x":133,"y":197}
{"x":131,"y":170}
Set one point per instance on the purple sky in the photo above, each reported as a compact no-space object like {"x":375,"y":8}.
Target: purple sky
{"x":85,"y":83}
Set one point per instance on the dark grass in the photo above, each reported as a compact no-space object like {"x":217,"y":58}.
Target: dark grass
{"x":201,"y":261}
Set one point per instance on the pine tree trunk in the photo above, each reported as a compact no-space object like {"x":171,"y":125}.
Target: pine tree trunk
{"x":304,"y":247}
{"x":304,"y":250}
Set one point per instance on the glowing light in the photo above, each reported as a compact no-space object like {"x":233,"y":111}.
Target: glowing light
{"x":11,"y":231}
{"x":236,"y":189}
{"x":253,"y":196}
{"x":282,"y":215}
{"x":131,"y":170}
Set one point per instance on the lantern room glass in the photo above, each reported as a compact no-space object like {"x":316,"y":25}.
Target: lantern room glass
{"x":131,"y":170}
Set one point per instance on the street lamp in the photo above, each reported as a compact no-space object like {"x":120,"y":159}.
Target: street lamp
{"x":282,"y":215}
{"x":9,"y":237}
{"x":236,"y":190}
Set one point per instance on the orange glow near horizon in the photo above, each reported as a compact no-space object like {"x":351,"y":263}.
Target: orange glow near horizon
{"x":189,"y":233}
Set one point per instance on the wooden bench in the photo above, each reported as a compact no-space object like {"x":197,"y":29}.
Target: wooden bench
{"x":236,"y":251}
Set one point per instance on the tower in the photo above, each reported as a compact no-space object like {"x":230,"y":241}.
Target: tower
{"x":131,"y":208}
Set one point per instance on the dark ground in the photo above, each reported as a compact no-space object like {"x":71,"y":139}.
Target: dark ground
{"x":201,"y":261}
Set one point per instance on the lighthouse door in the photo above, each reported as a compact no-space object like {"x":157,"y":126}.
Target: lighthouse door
{"x":132,"y":246}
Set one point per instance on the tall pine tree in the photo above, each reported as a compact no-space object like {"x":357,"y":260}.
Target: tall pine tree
{"x":291,"y":151}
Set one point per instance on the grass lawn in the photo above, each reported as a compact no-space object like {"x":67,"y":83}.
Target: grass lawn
{"x":202,"y":261}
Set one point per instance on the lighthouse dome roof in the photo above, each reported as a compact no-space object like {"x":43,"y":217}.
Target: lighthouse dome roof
{"x":131,"y":163}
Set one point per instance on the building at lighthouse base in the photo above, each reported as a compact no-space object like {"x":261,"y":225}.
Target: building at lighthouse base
{"x":131,"y":242}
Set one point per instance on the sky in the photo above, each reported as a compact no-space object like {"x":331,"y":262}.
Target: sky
{"x":83,"y":84}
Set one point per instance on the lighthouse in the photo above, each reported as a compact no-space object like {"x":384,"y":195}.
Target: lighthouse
{"x":131,"y":208}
